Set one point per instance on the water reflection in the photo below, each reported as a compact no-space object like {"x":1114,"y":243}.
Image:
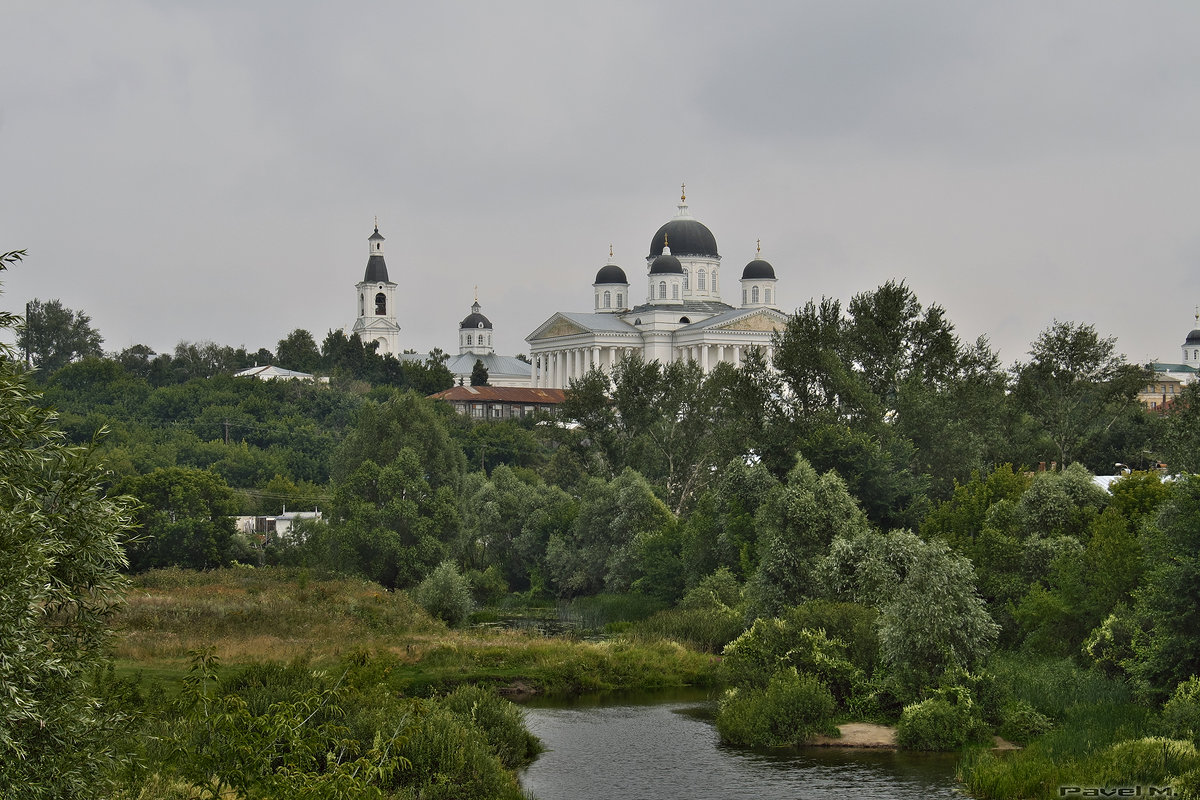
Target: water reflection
{"x":671,"y":750}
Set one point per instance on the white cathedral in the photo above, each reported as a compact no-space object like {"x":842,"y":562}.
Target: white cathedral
{"x":683,"y":317}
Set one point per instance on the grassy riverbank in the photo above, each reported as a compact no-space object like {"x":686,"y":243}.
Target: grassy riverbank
{"x":281,"y":615}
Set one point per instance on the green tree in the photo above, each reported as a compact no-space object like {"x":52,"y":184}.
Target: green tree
{"x":931,"y":616}
{"x":60,"y":571}
{"x":1075,"y":386}
{"x":479,"y":374}
{"x":54,"y":336}
{"x":185,"y":516}
{"x":298,"y":351}
{"x":1167,"y":645}
{"x":796,"y":523}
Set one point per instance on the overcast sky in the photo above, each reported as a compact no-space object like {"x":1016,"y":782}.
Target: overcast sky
{"x":212,"y":170}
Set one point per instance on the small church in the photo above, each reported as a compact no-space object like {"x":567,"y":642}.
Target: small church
{"x":376,"y":322}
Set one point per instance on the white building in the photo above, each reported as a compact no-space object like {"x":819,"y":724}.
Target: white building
{"x":683,"y":317}
{"x":376,"y":320}
{"x":475,"y":344}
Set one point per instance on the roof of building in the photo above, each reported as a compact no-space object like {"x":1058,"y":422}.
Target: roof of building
{"x":496,"y":365}
{"x":758,"y":269}
{"x":708,"y":307}
{"x":502,"y":394}
{"x":666,"y":264}
{"x":611,"y":273}
{"x":686,"y":237}
{"x":734,"y":313}
{"x":1160,"y":366}
{"x":269,"y":371}
{"x":1193,"y":337}
{"x":376,"y":270}
{"x":475,"y":319}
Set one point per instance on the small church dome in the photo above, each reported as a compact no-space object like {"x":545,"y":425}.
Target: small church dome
{"x":611,"y":273}
{"x":1193,"y":337}
{"x":758,"y":269}
{"x":475,"y":319}
{"x":666,"y":264}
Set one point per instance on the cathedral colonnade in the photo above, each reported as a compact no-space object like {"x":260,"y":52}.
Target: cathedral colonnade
{"x":555,"y":369}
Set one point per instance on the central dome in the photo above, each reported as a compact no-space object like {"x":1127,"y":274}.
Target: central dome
{"x":1193,"y":337}
{"x":685,"y":237}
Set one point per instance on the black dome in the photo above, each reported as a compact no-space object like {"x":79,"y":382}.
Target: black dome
{"x":758,"y":270}
{"x":611,"y":273}
{"x":1193,"y":337}
{"x":685,"y":237}
{"x":666,"y":265}
{"x":376,"y":270}
{"x":476,"y":320}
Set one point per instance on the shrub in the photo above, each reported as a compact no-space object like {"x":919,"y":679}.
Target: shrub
{"x":1021,"y":722}
{"x":449,"y":758}
{"x":938,"y":724}
{"x":501,"y":722}
{"x":792,"y":708}
{"x":853,"y":623}
{"x":1152,"y":760}
{"x":1181,"y":713}
{"x":716,"y":591}
{"x":446,"y":594}
{"x":488,"y":586}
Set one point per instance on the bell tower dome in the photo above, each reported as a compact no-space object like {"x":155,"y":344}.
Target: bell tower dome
{"x":376,"y":298}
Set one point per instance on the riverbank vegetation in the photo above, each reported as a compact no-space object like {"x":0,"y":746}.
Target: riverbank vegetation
{"x":881,"y":524}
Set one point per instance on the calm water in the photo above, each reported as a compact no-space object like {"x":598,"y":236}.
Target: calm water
{"x":665,"y":750}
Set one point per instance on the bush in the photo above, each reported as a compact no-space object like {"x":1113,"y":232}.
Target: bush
{"x":1021,"y":722}
{"x":446,"y":594}
{"x":938,"y":724}
{"x":501,"y":722}
{"x":451,"y":759}
{"x":1152,"y":760}
{"x":719,"y":590}
{"x":792,"y":708}
{"x":1181,"y":713}
{"x":488,"y":586}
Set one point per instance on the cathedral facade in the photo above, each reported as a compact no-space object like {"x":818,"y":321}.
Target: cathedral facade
{"x":683,"y":317}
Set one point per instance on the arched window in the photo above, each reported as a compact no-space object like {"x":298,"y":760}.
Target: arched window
{"x":714,"y":280}
{"x":380,"y":304}
{"x":362,"y":305}
{"x":674,"y":291}
{"x":469,"y":339}
{"x":767,"y":296}
{"x":754,"y":294}
{"x":686,"y":275}
{"x":620,"y":300}
{"x":608,"y":300}
{"x":701,"y":284}
{"x":662,"y":290}
{"x":743,"y":297}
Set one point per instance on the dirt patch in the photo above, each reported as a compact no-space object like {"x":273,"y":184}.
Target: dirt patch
{"x":1003,"y":744}
{"x":858,"y":734}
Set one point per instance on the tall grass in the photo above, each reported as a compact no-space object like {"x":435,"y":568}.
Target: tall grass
{"x":1092,"y":715}
{"x":284,"y":615}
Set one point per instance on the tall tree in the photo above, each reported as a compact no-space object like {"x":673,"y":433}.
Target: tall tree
{"x":1075,"y":386}
{"x":298,"y":351}
{"x":479,"y":374}
{"x":54,"y":336}
{"x":60,"y":568}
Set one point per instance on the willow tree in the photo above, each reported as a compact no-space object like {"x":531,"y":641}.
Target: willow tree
{"x":60,"y":581}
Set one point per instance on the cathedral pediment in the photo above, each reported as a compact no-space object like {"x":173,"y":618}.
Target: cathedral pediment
{"x":762,"y":322}
{"x":557,"y":326}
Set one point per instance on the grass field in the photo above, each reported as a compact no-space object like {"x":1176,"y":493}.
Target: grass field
{"x":256,"y":615}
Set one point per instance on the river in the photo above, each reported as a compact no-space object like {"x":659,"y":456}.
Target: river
{"x":640,"y":749}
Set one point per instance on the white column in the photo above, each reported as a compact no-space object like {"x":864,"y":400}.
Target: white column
{"x":720,"y":353}
{"x":737,"y":355}
{"x":704,"y":357}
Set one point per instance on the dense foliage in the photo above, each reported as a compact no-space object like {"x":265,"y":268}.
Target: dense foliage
{"x":867,"y":526}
